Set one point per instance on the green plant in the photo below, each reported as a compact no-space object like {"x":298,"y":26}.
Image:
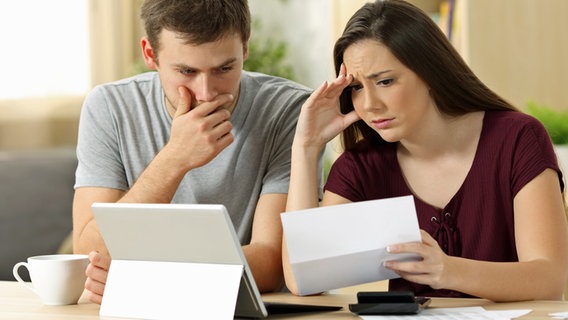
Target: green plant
{"x":139,"y":67}
{"x":555,"y":122}
{"x":268,"y":55}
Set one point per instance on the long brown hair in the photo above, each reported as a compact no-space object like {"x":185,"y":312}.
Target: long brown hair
{"x":416,"y":41}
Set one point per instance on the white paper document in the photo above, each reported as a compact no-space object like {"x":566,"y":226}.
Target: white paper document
{"x":469,"y":313}
{"x":338,"y":246}
{"x":559,"y":315}
{"x":171,"y":290}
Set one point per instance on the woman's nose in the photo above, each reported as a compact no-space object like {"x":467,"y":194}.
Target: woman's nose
{"x":372,"y":102}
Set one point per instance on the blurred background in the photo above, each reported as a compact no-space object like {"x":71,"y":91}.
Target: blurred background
{"x":55,"y":51}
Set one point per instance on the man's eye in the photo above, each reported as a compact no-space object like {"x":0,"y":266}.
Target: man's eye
{"x":185,"y":71}
{"x":385,"y":82}
{"x":225,"y":69}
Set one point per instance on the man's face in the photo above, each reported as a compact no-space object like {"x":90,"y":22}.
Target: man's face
{"x":207,"y":70}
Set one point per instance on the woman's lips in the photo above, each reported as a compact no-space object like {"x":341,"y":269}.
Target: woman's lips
{"x":382,"y":123}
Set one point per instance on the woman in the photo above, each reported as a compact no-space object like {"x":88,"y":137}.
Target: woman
{"x":415,"y":120}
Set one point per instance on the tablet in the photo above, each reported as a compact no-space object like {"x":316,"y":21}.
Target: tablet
{"x":197,"y":233}
{"x":178,"y":233}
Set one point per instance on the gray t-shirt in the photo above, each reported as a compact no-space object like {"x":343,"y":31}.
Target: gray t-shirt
{"x":124,"y":124}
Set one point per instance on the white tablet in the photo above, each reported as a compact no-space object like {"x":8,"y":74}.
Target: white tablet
{"x":178,"y":233}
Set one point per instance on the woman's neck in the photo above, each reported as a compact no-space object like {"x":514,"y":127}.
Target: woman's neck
{"x":444,"y":135}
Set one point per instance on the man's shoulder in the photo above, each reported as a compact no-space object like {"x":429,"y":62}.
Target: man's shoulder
{"x":140,"y":81}
{"x":136,"y":94}
{"x":269,"y":83}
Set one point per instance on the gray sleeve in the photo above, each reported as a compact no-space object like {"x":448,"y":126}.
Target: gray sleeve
{"x":100,"y":163}
{"x":277,"y":178}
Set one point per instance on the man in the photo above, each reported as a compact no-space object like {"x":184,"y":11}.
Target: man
{"x":199,"y":130}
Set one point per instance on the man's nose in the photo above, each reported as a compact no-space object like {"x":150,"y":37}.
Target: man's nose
{"x":205,"y":90}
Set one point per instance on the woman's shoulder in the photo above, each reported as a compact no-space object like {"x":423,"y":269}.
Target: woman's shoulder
{"x":510,"y":117}
{"x":511,"y":122}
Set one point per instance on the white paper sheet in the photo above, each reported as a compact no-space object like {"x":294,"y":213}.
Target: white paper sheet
{"x":559,"y":315}
{"x":171,"y":290}
{"x":469,"y":313}
{"x":338,"y":246}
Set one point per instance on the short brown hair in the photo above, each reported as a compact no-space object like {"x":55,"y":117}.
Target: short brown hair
{"x":196,"y":21}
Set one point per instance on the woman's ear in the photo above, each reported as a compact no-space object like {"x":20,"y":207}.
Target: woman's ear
{"x":150,"y":58}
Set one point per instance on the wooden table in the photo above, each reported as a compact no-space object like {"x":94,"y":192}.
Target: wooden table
{"x":18,"y":302}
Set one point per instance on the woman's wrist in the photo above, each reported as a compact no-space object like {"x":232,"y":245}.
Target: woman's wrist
{"x":306,"y":152}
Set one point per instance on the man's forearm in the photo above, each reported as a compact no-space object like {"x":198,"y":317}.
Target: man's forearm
{"x":158,"y":183}
{"x":266,"y":266}
{"x":89,"y":239}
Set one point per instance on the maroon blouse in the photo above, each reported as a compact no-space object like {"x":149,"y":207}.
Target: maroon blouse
{"x":478,"y":222}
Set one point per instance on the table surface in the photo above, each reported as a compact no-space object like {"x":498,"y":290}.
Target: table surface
{"x":18,"y":302}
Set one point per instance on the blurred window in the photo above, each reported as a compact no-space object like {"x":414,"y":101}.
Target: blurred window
{"x":45,"y":48}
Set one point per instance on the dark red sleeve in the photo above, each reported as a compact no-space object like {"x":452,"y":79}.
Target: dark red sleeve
{"x":533,"y":154}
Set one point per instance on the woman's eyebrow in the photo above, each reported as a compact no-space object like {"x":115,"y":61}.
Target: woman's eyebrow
{"x":376,"y":74}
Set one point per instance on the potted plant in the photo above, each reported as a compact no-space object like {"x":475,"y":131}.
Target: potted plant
{"x":556,"y":124}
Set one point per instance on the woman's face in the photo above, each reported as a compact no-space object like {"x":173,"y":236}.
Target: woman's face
{"x":388,"y":96}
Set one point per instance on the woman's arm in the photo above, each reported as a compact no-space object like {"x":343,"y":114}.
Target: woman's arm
{"x":319,"y":122}
{"x":541,"y":233}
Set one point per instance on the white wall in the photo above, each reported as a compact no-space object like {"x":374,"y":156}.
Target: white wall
{"x":306,"y":25}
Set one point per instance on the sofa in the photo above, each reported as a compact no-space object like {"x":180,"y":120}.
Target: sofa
{"x":36,"y":195}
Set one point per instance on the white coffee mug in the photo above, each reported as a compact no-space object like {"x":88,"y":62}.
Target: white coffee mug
{"x":58,"y":279}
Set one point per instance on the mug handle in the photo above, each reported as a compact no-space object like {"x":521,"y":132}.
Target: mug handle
{"x":17,"y":275}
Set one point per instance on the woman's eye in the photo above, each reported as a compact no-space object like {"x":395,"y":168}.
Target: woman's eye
{"x":355,"y":87}
{"x":385,"y":82}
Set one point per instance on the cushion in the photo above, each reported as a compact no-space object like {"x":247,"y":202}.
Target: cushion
{"x":36,"y":195}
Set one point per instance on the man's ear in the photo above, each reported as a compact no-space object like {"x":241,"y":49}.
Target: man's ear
{"x":245,"y":50}
{"x":150,"y":58}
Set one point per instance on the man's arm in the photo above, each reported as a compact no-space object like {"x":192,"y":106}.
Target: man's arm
{"x":86,"y":234}
{"x":264,"y":253}
{"x":87,"y":238}
{"x":197,"y":136}
{"x":157,"y":184}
